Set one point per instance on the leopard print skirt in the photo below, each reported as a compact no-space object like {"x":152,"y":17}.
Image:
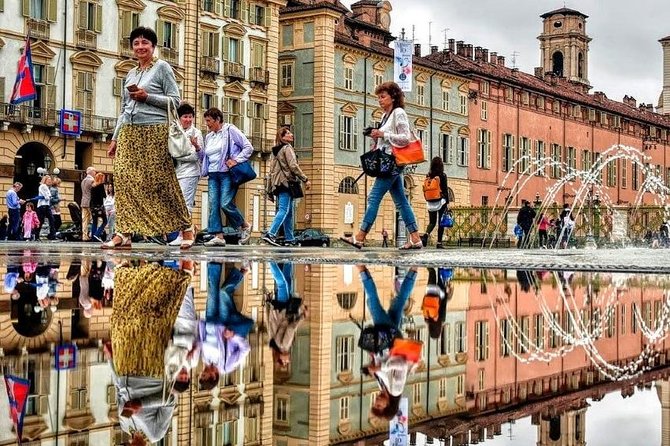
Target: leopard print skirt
{"x":148,"y":198}
{"x":145,"y":308}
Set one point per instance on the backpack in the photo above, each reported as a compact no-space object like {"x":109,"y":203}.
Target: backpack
{"x":431,"y":188}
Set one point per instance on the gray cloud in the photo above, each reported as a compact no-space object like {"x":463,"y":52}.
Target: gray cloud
{"x":624,"y":57}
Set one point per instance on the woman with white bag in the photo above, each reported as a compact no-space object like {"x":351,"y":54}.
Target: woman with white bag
{"x":436,"y":193}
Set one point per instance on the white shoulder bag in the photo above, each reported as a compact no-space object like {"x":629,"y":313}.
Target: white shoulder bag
{"x":179,"y":144}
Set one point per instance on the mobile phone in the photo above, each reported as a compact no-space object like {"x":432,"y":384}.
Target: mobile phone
{"x":132,"y":87}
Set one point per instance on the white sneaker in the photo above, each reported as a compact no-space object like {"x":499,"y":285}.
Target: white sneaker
{"x":216,"y":241}
{"x":245,"y":235}
{"x":176,"y":242}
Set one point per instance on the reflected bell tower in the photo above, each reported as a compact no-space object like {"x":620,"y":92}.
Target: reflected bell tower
{"x":566,"y":429}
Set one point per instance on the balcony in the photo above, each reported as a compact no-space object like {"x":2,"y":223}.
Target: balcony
{"x":259,"y":75}
{"x":233,"y":70}
{"x":125,"y":48}
{"x":86,"y":39}
{"x":98,"y":124}
{"x":170,"y":55}
{"x":38,"y":29}
{"x":26,"y":115}
{"x":209,"y":64}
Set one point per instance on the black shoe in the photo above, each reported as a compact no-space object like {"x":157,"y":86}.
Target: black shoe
{"x":424,"y":240}
{"x":270,"y":239}
{"x":291,"y":243}
{"x":440,"y":246}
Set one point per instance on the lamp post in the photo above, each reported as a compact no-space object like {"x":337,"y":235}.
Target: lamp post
{"x":594,"y":224}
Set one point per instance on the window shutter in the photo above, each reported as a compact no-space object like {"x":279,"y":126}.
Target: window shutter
{"x":250,"y":109}
{"x":226,"y":8}
{"x":117,"y":86}
{"x":244,"y":14}
{"x":267,"y":16}
{"x":175,"y":37}
{"x":50,"y":97}
{"x":592,"y":115}
{"x":126,"y":24}
{"x":160,"y":31}
{"x":480,"y":148}
{"x":218,"y":7}
{"x":52,"y":11}
{"x":90,"y":81}
{"x":2,"y":87}
{"x":206,"y":48}
{"x":266,"y":111}
{"x":514,"y":158}
{"x":341,"y":132}
{"x":488,"y":149}
{"x":42,"y":404}
{"x":98,"y":18}
{"x":226,"y":48}
{"x":50,"y":74}
{"x":2,"y":5}
{"x":25,"y":8}
{"x":240,"y":52}
{"x":83,"y":15}
{"x":81,"y":86}
{"x":252,"y":14}
{"x":216,"y":44}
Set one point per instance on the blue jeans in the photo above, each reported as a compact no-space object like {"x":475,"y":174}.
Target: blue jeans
{"x":282,"y":278}
{"x":14,"y":224}
{"x":222,"y":198}
{"x":284,"y":216}
{"x":220,"y":307}
{"x":393,"y":185}
{"x":393,"y":316}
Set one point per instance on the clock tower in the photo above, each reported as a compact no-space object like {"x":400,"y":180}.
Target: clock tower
{"x":564,"y":45}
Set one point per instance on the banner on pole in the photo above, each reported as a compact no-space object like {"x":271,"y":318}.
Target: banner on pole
{"x":402,"y":64}
{"x":17,"y":393}
{"x":24,"y":86}
{"x":399,"y":426}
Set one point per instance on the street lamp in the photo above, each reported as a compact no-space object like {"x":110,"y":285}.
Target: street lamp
{"x":47,"y":162}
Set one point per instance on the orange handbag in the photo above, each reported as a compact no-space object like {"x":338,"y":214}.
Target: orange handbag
{"x":412,"y":153}
{"x":409,"y":348}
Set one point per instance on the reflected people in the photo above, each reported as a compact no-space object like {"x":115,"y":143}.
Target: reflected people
{"x":284,"y":313}
{"x":146,"y":303}
{"x":391,"y":357}
{"x":439,"y":291}
{"x":182,"y":354}
{"x":223,"y":333}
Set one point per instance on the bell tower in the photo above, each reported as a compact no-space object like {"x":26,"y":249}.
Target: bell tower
{"x":564,"y":45}
{"x":567,"y":429}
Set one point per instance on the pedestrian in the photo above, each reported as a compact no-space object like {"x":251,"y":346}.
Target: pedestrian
{"x":385,"y":238}
{"x":14,"y":211}
{"x":285,"y":177}
{"x":30,"y":222}
{"x":147,"y":194}
{"x":225,"y":146}
{"x":110,"y":209}
{"x":568,"y":227}
{"x":55,"y":201}
{"x":44,"y":208}
{"x":182,"y":354}
{"x":394,"y":130}
{"x":436,"y":193}
{"x":98,"y":214}
{"x":188,"y":167}
{"x":525,"y":219}
{"x":542,"y":230}
{"x":87,"y":185}
{"x":439,"y":291}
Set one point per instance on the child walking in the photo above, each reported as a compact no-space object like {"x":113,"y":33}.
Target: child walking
{"x":30,"y":221}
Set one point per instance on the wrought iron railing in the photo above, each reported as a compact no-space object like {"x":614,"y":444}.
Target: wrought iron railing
{"x":210,"y":64}
{"x":38,"y":29}
{"x":125,"y":48}
{"x":259,"y":75}
{"x":24,"y":114}
{"x":170,"y":55}
{"x":86,"y":39}
{"x":233,"y":70}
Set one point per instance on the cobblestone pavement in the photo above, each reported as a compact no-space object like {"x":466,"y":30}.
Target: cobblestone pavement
{"x":631,"y":260}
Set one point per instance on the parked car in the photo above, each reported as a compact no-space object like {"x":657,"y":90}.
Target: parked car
{"x":230,"y":235}
{"x":312,"y":237}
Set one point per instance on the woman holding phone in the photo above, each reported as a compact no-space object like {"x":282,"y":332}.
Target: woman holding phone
{"x":147,"y":194}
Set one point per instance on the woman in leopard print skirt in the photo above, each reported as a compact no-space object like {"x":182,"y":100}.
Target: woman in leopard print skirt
{"x":148,"y":198}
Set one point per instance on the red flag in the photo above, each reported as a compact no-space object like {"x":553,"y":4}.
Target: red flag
{"x":17,"y":393}
{"x":24,"y":87}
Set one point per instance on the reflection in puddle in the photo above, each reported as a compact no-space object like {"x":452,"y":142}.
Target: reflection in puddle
{"x":178,"y":352}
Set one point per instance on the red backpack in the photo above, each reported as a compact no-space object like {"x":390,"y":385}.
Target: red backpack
{"x":431,"y":188}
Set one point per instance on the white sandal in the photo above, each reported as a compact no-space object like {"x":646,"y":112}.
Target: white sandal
{"x":123,"y":242}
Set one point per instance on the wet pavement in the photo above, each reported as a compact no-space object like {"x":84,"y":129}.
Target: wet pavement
{"x":255,"y":345}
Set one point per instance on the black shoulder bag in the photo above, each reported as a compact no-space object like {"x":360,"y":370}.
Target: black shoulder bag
{"x":294,"y":187}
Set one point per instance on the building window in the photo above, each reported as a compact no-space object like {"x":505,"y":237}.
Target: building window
{"x":484,"y":111}
{"x":379,"y":79}
{"x":90,"y":16}
{"x":539,"y":102}
{"x":167,"y":34}
{"x":634,"y":177}
{"x":460,"y":385}
{"x":420,"y":94}
{"x":233,"y":8}
{"x":554,"y":339}
{"x":538,"y":334}
{"x":481,"y":340}
{"x":416,"y":394}
{"x":463,"y":149}
{"x":344,"y":353}
{"x":611,"y":174}
{"x":445,"y":100}
{"x":286,"y":75}
{"x":344,"y":408}
{"x":508,"y":153}
{"x":40,"y":9}
{"x":524,"y":154}
{"x":572,"y":159}
{"x":460,"y":337}
{"x":484,"y":149}
{"x":480,"y":379}
{"x":445,"y":340}
{"x":348,"y":186}
{"x":539,"y":158}
{"x":348,"y":78}
{"x":207,"y":101}
{"x":231,"y":112}
{"x":506,"y":343}
{"x":85,"y":92}
{"x":348,"y":133}
{"x":556,"y":160}
{"x":509,"y":94}
{"x":524,"y":324}
{"x":442,"y":389}
{"x":259,"y":14}
{"x":210,"y":42}
{"x":287,"y":36}
{"x":346,"y":301}
{"x":586,"y":160}
{"x":464,"y":104}
{"x":281,"y":409}
{"x":447,"y":148}
{"x":485,"y":87}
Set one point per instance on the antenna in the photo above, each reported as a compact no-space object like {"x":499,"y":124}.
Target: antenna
{"x":402,"y":34}
{"x":430,"y":34}
{"x":413,"y":27}
{"x":445,"y":37}
{"x":514,"y":54}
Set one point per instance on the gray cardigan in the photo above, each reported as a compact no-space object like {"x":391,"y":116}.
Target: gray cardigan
{"x":160,"y":84}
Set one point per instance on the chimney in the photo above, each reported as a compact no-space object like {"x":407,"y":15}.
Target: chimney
{"x":485,"y":54}
{"x":417,"y":49}
{"x":630,"y":101}
{"x":501,"y":61}
{"x":478,"y":53}
{"x":599,"y":96}
{"x":650,"y":107}
{"x":538,"y":73}
{"x":460,"y":48}
{"x":451,"y":45}
{"x":433,"y":49}
{"x":470,"y":52}
{"x":665,"y":94}
{"x":494,"y":57}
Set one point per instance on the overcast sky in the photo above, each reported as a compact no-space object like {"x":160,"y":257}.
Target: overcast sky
{"x":624,"y":55}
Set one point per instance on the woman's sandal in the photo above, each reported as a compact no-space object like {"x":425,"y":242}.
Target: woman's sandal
{"x":412,"y":245}
{"x":187,"y":243}
{"x":353,"y":242}
{"x":118,"y":241}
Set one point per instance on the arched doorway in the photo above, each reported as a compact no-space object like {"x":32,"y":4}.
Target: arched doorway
{"x":30,"y":157}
